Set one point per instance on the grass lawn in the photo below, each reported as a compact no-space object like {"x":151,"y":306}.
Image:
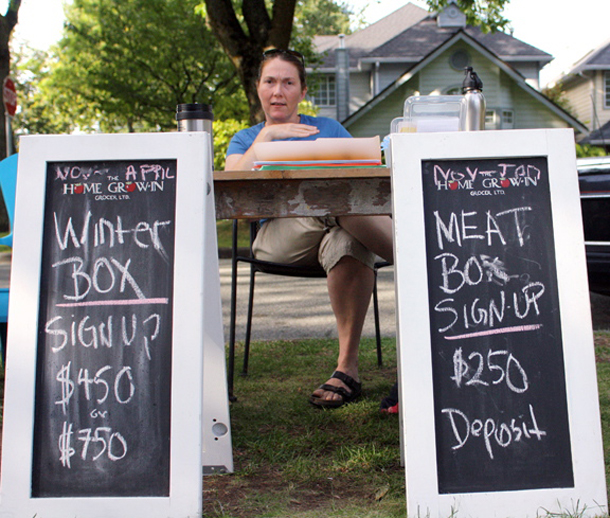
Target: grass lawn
{"x":224,"y":229}
{"x":292,"y":460}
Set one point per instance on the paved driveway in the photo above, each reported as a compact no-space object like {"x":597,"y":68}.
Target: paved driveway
{"x":293,"y":308}
{"x":287,"y":308}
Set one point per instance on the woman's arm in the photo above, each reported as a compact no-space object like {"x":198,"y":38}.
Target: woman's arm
{"x":245,"y":161}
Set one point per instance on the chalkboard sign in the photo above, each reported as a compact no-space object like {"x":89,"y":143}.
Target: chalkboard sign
{"x":103,"y":408}
{"x":499,"y":382}
{"x":104,"y":384}
{"x":498,"y":392}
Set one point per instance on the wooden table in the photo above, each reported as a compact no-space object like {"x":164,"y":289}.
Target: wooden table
{"x":302,"y":192}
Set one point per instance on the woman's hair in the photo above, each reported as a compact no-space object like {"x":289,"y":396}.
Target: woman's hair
{"x":291,"y":56}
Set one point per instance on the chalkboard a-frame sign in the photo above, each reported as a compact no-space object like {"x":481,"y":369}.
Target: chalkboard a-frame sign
{"x":104,"y":379}
{"x":499,"y":401}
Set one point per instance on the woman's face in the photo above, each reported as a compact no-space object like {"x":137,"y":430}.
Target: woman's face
{"x":280,"y":91}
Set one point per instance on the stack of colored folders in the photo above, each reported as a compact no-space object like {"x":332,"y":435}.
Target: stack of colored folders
{"x":323,"y":152}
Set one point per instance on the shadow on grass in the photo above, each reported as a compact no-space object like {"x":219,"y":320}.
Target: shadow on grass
{"x":292,"y":459}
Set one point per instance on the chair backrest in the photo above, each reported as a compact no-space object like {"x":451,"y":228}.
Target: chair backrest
{"x":8,"y":182}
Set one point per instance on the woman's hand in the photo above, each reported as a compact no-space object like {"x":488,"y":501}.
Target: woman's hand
{"x":283,"y":131}
{"x":269,"y":133}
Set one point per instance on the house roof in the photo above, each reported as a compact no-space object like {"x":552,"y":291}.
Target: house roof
{"x":465,"y":35}
{"x":411,"y":33}
{"x":376,"y":34}
{"x":599,"y":137}
{"x":419,"y":40}
{"x":386,"y":28}
{"x":597,"y":59}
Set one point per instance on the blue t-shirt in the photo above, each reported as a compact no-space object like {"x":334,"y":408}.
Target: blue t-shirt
{"x":329,"y":128}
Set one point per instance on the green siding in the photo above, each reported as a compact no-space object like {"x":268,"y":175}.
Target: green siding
{"x":501,"y":93}
{"x":378,"y":120}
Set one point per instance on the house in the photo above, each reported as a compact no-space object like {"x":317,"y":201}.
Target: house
{"x":365,"y":77}
{"x":587,"y":89}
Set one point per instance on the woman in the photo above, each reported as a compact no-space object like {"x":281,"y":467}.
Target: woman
{"x":346,"y":247}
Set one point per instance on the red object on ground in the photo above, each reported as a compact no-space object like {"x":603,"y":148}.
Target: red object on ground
{"x":390,"y":410}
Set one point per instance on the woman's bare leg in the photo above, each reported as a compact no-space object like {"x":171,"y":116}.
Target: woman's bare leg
{"x":350,"y":286}
{"x":374,"y":232}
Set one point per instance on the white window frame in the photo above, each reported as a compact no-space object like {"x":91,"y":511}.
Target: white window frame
{"x":328,"y":85}
{"x":491,"y":118}
{"x":507,"y":118}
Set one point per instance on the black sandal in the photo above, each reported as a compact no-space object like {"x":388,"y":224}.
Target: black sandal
{"x":347,"y":397}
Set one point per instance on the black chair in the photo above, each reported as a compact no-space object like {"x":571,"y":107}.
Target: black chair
{"x":256,"y":266}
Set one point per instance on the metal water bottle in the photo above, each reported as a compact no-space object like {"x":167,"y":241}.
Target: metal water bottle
{"x":472,"y":88}
{"x":194,"y":117}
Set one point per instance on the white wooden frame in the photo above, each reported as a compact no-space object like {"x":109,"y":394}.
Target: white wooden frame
{"x":415,"y":368}
{"x":192,"y":197}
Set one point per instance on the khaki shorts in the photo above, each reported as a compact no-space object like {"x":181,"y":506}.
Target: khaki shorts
{"x":308,"y":242}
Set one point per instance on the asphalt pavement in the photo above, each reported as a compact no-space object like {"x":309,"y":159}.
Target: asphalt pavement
{"x":288,"y":308}
{"x":296,"y":308}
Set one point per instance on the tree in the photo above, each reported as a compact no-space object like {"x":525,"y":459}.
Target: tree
{"x":245,"y":49}
{"x":7,"y":24}
{"x":585,"y":150}
{"x":556,"y":94}
{"x":487,"y":14}
{"x":321,"y":18}
{"x":245,"y":37}
{"x":124,"y":66}
{"x":39,"y":112}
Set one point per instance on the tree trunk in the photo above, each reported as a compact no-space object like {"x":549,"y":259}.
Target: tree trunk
{"x":246,"y":50}
{"x":7,"y":24}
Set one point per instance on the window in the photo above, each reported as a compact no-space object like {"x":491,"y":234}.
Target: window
{"x":453,"y":90}
{"x":508,"y":119}
{"x":459,"y":60}
{"x":325,"y":91}
{"x":490,"y":119}
{"x":607,"y":90}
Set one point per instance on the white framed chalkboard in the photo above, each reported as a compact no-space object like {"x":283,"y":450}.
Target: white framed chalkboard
{"x":499,"y":402}
{"x":103,"y":401}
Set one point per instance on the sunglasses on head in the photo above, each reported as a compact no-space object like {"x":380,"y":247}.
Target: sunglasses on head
{"x":277,"y":52}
